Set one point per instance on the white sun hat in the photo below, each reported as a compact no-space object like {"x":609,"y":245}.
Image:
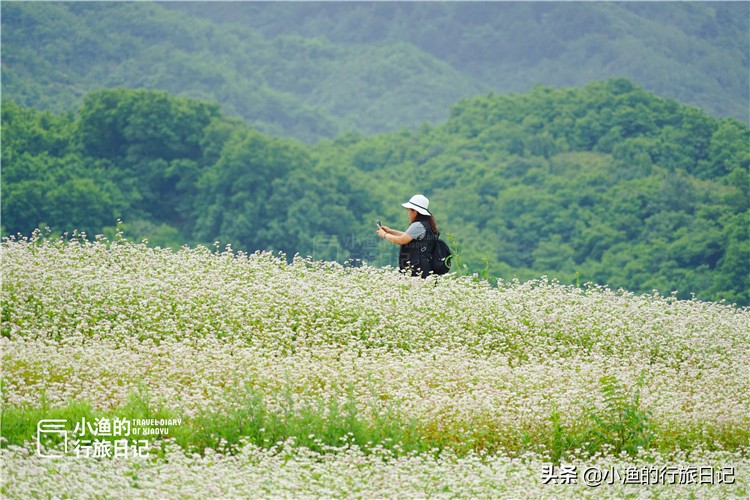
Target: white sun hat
{"x":419,"y":203}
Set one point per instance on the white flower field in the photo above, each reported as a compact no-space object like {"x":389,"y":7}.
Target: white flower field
{"x":258,"y":377}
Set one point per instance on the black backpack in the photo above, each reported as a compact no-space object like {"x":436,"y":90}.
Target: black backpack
{"x":441,"y":257}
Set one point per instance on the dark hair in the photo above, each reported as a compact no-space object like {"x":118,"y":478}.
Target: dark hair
{"x":430,"y":219}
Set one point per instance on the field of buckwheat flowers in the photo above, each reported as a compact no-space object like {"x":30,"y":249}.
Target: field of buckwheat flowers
{"x":222,"y":374}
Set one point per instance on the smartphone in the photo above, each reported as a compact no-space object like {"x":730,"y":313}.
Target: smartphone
{"x":378,"y":222}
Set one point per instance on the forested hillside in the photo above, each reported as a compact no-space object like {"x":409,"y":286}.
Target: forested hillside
{"x":694,"y":52}
{"x":313,"y":70}
{"x":606,"y":183}
{"x":55,"y":53}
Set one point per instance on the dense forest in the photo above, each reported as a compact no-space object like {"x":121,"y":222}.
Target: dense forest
{"x":313,"y":70}
{"x":605,"y":183}
{"x":293,"y":126}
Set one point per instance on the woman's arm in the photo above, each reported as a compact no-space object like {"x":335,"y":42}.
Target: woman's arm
{"x":400,"y":239}
{"x":396,"y":239}
{"x":391,"y":231}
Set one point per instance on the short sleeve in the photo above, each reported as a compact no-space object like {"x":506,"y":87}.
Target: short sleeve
{"x":416,"y":231}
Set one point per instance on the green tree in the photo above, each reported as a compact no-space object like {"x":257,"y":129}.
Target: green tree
{"x":152,"y":138}
{"x":234,"y":192}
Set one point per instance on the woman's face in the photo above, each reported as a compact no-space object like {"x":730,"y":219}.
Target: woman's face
{"x":412,"y":214}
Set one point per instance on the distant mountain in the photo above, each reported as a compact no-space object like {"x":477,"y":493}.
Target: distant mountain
{"x":696,"y":52}
{"x":313,"y":70}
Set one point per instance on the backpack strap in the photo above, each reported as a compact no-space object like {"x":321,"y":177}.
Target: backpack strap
{"x":430,"y":242}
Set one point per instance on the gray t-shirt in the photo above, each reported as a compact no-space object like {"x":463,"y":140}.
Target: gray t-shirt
{"x":416,"y":231}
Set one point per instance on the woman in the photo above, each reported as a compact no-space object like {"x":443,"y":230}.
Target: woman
{"x":418,"y":241}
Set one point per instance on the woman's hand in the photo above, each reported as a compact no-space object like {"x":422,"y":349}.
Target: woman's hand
{"x":381,"y":232}
{"x":386,"y":229}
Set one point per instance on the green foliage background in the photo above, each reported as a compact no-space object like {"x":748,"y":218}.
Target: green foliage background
{"x":293,"y":126}
{"x":313,"y":70}
{"x":605,"y":183}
